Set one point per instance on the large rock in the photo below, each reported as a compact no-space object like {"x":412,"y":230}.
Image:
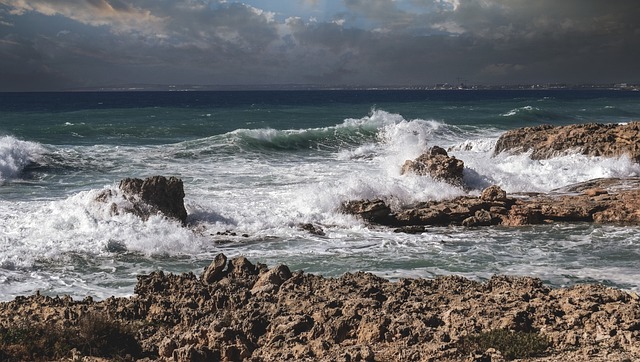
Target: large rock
{"x":154,"y":195}
{"x":437,"y":164}
{"x":376,"y":211}
{"x":592,"y":139}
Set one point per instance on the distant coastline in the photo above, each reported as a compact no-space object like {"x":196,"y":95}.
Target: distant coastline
{"x":290,"y":87}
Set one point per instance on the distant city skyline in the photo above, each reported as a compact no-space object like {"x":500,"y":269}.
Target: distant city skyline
{"x":75,"y":44}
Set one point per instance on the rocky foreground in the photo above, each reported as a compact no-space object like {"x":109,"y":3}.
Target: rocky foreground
{"x":239,"y":311}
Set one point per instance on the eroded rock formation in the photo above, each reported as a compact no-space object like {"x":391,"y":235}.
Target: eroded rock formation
{"x":240,"y":311}
{"x":592,"y":139}
{"x":437,"y":164}
{"x":613,"y":202}
{"x":153,"y":195}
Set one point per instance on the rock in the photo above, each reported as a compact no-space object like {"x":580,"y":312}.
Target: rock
{"x":271,"y":280}
{"x":255,"y":314}
{"x":481,"y":218}
{"x":213,"y":272}
{"x":616,"y":204}
{"x":493,"y":193}
{"x":592,"y":139}
{"x":437,"y":164}
{"x":595,"y":192}
{"x":376,"y":211}
{"x":156,"y":194}
{"x":313,"y":229}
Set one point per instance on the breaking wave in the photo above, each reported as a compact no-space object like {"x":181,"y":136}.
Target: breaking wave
{"x":16,"y":155}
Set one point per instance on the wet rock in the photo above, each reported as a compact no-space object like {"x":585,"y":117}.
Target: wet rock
{"x":437,"y":164}
{"x":313,"y":229}
{"x":614,"y":204}
{"x":592,"y":139}
{"x":493,"y":193}
{"x":156,"y":194}
{"x":376,"y":211}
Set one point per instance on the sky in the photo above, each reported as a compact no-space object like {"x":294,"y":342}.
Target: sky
{"x":70,"y":44}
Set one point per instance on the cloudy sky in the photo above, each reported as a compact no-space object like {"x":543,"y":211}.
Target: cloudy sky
{"x":64,"y":44}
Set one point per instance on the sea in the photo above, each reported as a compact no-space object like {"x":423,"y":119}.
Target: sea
{"x":257,"y":165}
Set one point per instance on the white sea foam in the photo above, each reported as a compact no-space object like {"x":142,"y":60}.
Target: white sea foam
{"x":519,"y":173}
{"x":49,"y":230}
{"x":231,"y":183}
{"x":517,"y":111}
{"x":15,"y":155}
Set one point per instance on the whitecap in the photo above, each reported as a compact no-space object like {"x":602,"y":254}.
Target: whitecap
{"x":15,"y":155}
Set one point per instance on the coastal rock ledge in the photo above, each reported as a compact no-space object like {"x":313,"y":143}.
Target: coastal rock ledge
{"x":602,"y":200}
{"x":591,"y":139}
{"x":238,"y":311}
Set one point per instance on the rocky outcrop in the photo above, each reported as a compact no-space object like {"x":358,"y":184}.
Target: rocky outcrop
{"x":607,"y":140}
{"x":437,"y":164}
{"x":153,"y":195}
{"x":253,"y":313}
{"x":376,"y":211}
{"x":606,"y":201}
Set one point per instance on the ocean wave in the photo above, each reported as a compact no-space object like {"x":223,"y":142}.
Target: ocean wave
{"x":16,"y":155}
{"x":358,"y":137}
{"x":531,"y":114}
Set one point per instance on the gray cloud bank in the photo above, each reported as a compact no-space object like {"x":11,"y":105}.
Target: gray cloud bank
{"x":61,"y":44}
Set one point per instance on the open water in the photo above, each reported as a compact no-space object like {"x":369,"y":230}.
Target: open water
{"x":262,"y":163}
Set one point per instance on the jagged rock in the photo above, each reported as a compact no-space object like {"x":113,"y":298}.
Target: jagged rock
{"x":437,"y":164}
{"x":313,"y":229}
{"x":156,"y":194}
{"x":616,"y":204}
{"x":592,"y":139}
{"x":272,"y":279}
{"x":376,"y":211}
{"x":213,"y":272}
{"x":359,"y":316}
{"x":493,"y":193}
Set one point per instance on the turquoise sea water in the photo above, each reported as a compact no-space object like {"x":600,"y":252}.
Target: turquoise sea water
{"x":262,"y":163}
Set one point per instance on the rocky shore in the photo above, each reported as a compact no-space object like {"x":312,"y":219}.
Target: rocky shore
{"x":236,"y":310}
{"x":604,"y":201}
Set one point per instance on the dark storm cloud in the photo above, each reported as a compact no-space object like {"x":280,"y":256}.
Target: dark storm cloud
{"x":47,"y":44}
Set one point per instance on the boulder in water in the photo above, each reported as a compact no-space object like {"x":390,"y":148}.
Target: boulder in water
{"x":437,"y":164}
{"x":153,"y":195}
{"x":156,"y":194}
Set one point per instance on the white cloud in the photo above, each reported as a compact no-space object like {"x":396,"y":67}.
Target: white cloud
{"x":119,"y":16}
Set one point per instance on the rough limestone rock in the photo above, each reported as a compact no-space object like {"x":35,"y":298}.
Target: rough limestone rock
{"x":376,"y":211}
{"x":253,"y":313}
{"x":437,"y":164}
{"x":592,"y":139}
{"x":153,"y":195}
{"x":602,"y":201}
{"x":213,"y":272}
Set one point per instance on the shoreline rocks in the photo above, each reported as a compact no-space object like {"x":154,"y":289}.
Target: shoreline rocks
{"x":591,"y":139}
{"x":611,"y":203}
{"x":240,"y":311}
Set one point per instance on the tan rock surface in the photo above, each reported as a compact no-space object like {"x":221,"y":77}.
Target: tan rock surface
{"x":254,"y":313}
{"x":603,"y":201}
{"x":437,"y":164}
{"x":593,"y":139}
